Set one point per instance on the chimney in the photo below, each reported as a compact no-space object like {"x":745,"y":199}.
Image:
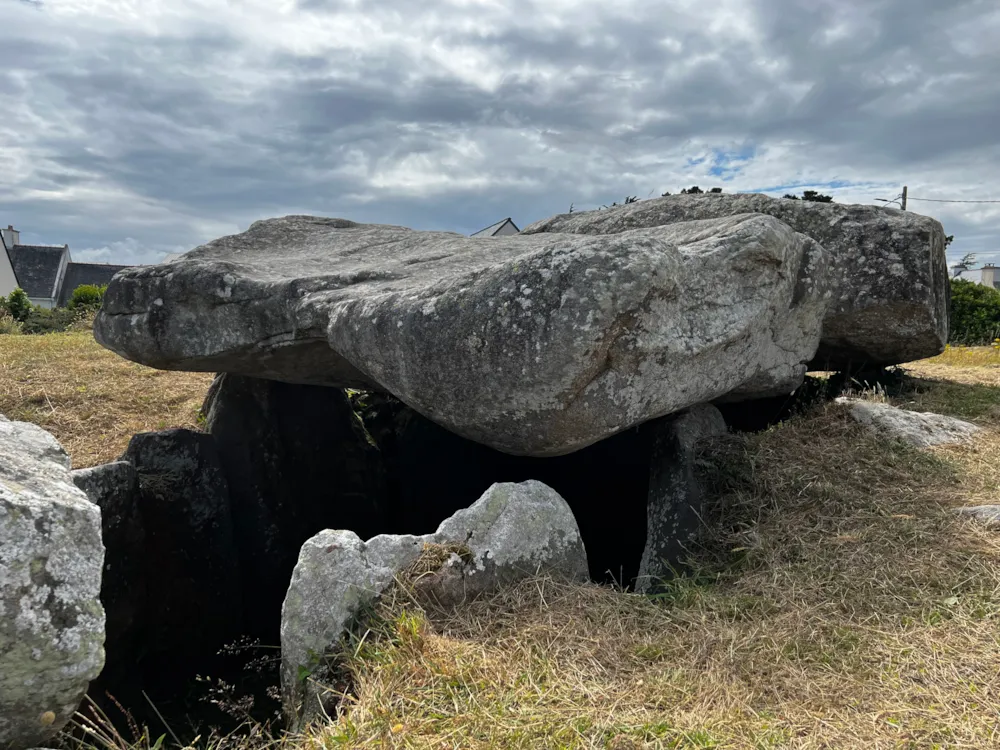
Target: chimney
{"x":11,"y":236}
{"x":989,"y":275}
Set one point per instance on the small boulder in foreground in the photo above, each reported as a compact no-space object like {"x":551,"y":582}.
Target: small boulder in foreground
{"x":512,"y":531}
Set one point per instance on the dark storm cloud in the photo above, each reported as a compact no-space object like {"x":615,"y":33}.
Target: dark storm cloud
{"x":133,"y":135}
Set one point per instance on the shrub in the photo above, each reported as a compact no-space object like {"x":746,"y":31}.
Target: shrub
{"x":86,"y":295}
{"x":18,"y":305}
{"x":975,"y":313}
{"x":9,"y":326}
{"x":810,"y":195}
{"x":42,"y":320}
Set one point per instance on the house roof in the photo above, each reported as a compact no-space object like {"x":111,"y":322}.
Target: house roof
{"x":97,"y":274}
{"x":492,"y":229}
{"x":36,"y":268}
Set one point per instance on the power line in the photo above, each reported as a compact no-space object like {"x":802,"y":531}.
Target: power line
{"x":903,"y":197}
{"x":943,"y":200}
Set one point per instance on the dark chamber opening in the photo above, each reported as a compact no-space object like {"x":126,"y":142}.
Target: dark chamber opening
{"x":432,"y":473}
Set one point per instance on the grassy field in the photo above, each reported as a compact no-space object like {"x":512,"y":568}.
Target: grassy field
{"x":92,"y":400}
{"x":839,"y":603}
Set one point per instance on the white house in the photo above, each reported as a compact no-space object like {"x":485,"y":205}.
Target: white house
{"x":988,"y":275}
{"x":502,"y":228}
{"x":46,"y":273}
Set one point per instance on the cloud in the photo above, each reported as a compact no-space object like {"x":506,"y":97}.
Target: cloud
{"x":132,"y":129}
{"x":126,"y":251}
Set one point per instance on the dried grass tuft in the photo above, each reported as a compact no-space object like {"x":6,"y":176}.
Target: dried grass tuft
{"x":433,"y":557}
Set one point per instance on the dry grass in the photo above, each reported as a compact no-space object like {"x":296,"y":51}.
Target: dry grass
{"x":840,"y":605}
{"x":963,"y":364}
{"x":963,"y":381}
{"x":92,"y":400}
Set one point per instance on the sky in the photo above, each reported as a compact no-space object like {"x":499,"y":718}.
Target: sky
{"x":135,"y":128}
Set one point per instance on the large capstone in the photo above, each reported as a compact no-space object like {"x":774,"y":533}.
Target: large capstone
{"x":888,"y":269}
{"x":534,"y":345}
{"x":51,"y":620}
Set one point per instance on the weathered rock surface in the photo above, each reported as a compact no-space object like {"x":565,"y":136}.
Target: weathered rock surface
{"x":535,"y":345}
{"x":674,"y":509}
{"x":922,"y":429}
{"x":512,"y":531}
{"x":51,"y":620}
{"x":297,"y":460}
{"x":988,"y":515}
{"x":888,"y":269}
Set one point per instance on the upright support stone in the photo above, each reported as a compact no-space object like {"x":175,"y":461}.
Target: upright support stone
{"x":674,"y":505}
{"x":114,"y":487}
{"x":193,"y":582}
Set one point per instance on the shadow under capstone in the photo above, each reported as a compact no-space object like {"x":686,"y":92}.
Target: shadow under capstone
{"x":432,"y":473}
{"x":209,"y":525}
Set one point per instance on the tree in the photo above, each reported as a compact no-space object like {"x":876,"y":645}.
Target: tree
{"x":968,"y":260}
{"x":974,"y":316}
{"x":949,"y":239}
{"x":715,"y":190}
{"x":18,"y":305}
{"x":810,"y":195}
{"x":693,"y":190}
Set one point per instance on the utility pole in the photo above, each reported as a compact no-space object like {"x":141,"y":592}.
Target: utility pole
{"x":903,"y":205}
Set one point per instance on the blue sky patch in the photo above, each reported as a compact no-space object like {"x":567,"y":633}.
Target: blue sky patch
{"x":728,"y":164}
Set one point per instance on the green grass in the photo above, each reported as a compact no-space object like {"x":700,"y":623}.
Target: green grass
{"x":963,"y":382}
{"x":970,"y":401}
